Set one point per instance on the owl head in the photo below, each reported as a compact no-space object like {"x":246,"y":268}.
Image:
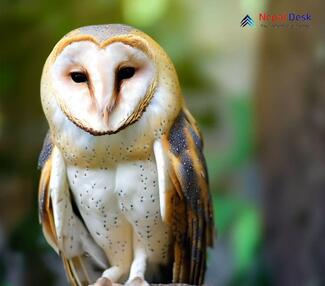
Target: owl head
{"x":102,"y":78}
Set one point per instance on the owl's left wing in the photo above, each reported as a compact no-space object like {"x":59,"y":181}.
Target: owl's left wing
{"x":185,"y":202}
{"x":62,"y":228}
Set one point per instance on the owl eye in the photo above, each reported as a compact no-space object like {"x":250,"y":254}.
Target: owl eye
{"x":79,"y":77}
{"x":125,"y":73}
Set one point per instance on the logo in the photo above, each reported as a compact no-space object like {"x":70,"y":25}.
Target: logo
{"x":287,"y":20}
{"x":247,"y":20}
{"x":285,"y":17}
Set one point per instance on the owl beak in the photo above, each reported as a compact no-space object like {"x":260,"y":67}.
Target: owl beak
{"x":105,"y":113}
{"x":107,"y":109}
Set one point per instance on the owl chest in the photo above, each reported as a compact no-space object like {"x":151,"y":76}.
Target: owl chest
{"x":130,"y":188}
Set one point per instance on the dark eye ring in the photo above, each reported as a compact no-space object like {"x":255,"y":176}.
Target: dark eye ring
{"x":125,"y":73}
{"x":78,"y":77}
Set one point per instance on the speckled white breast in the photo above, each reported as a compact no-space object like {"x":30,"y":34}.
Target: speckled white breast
{"x":118,"y":194}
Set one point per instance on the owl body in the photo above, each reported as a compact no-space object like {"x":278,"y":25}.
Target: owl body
{"x":123,"y":191}
{"x":114,"y":183}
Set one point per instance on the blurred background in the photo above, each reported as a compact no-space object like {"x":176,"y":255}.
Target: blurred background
{"x":258,"y":95}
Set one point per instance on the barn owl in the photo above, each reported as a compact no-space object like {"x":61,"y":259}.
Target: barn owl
{"x":123,"y":192}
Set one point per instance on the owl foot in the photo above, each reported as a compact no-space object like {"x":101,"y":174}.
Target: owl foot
{"x":102,"y":281}
{"x":137,"y":281}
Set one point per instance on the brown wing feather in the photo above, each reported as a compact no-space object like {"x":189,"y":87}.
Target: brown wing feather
{"x":45,"y":208}
{"x":192,"y":217}
{"x":75,"y":270}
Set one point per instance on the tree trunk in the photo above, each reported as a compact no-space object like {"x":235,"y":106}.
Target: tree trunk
{"x":291,"y":124}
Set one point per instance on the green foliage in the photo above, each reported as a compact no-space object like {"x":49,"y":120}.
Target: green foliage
{"x":240,"y":221}
{"x":143,"y":13}
{"x":29,"y":230}
{"x":226,"y":211}
{"x":241,"y":145}
{"x":7,"y":76}
{"x":235,"y":217}
{"x":208,"y":119}
{"x":246,"y":237}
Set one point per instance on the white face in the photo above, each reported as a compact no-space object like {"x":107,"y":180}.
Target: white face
{"x":99,"y":89}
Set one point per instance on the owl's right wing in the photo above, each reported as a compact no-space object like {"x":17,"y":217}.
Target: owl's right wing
{"x":185,"y":202}
{"x":63,"y":229}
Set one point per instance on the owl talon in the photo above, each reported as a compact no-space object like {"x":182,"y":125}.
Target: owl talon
{"x":102,"y":281}
{"x":137,"y":281}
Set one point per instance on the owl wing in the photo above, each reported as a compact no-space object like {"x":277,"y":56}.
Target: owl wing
{"x":185,"y":201}
{"x":62,"y":227}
